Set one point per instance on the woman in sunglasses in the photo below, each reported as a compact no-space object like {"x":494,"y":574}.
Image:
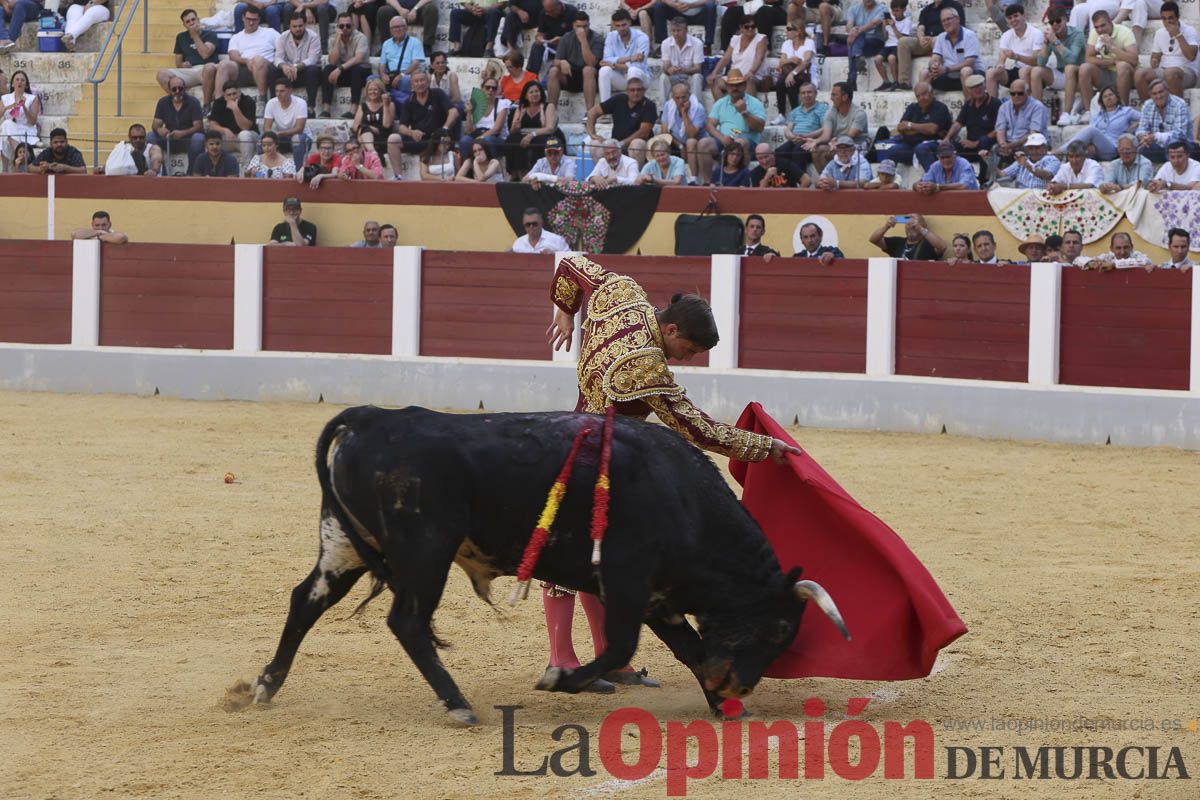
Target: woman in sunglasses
{"x":439,"y":162}
{"x":490,"y":126}
{"x":375,"y":118}
{"x":746,"y":52}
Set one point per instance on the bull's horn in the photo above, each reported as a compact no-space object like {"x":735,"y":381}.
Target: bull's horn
{"x":811,"y":590}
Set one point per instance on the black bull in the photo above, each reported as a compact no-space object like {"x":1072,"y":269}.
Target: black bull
{"x":404,"y":494}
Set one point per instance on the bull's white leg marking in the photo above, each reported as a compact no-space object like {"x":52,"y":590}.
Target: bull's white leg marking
{"x":337,"y":556}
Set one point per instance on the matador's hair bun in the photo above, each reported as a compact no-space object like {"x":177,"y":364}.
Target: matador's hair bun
{"x":694,"y":316}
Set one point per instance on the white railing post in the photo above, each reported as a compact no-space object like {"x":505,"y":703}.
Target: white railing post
{"x":247,"y":297}
{"x":406,"y":301}
{"x":1045,"y":317}
{"x":567,"y":356}
{"x":725,"y":289}
{"x":881,"y":316}
{"x":1195,"y":370}
{"x":85,"y":293}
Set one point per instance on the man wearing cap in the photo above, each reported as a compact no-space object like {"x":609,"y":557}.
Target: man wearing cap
{"x":293,"y":231}
{"x":1180,"y":173}
{"x":1020,"y":116}
{"x":924,"y":123}
{"x":633,"y":118}
{"x":955,"y":54}
{"x":552,"y":167}
{"x":978,"y":117}
{"x":1080,"y":172}
{"x":849,"y":169}
{"x":1033,"y":248}
{"x":735,"y":118}
{"x":1033,"y":167}
{"x":774,"y":174}
{"x":917,"y":244}
{"x":951,"y":171}
{"x":537,"y":239}
{"x":885,"y":176}
{"x":811,"y":236}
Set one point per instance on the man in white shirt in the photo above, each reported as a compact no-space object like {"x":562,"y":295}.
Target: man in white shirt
{"x":1179,"y":242}
{"x":1172,"y":55}
{"x":288,"y":117}
{"x":553,"y":167}
{"x":1019,"y":46}
{"x":1077,"y":172}
{"x":1180,"y":172}
{"x":615,"y":169}
{"x":1121,"y":255}
{"x":537,"y":239}
{"x":682,"y":56}
{"x":251,"y":54}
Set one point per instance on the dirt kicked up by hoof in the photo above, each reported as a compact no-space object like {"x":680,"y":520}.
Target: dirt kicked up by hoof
{"x":238,"y":697}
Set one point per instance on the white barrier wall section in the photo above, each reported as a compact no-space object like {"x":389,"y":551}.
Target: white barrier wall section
{"x":1040,"y":409}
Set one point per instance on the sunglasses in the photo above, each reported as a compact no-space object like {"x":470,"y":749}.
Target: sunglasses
{"x":176,"y":89}
{"x":133,"y":138}
{"x":533,"y":224}
{"x":491,"y":87}
{"x":749,"y":26}
{"x":344,"y":27}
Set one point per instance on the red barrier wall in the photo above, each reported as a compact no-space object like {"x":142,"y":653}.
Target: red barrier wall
{"x":327,"y":300}
{"x":35,"y":292}
{"x":1126,"y":328}
{"x":962,"y":321}
{"x":797,"y":314}
{"x":156,"y":295}
{"x":663,"y":276}
{"x":485,"y":305}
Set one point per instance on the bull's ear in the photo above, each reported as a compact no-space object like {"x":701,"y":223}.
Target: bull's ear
{"x":793,"y":575}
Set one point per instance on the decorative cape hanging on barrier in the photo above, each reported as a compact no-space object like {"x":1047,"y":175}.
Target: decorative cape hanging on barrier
{"x":1024,"y":212}
{"x":592,"y":220}
{"x":895,"y":611}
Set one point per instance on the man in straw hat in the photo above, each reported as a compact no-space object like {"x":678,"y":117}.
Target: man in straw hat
{"x":737,"y":118}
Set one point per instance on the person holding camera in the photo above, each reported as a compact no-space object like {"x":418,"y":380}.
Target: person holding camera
{"x":917,"y":244}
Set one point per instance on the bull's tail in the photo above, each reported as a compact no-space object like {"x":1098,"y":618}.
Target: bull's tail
{"x":380,"y":573}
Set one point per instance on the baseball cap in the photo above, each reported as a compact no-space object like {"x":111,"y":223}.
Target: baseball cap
{"x":973,"y":80}
{"x":1035,"y":140}
{"x":291,"y":201}
{"x":844,"y":141}
{"x":887,"y":167}
{"x":946,"y":149}
{"x":553,"y":143}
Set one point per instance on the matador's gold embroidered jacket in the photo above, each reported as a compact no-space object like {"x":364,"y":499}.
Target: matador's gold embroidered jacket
{"x":622,"y":360}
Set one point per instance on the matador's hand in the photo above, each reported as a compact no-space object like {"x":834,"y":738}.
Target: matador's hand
{"x":780,"y":450}
{"x":561,"y":329}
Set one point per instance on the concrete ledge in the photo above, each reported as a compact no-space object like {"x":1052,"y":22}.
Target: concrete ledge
{"x":919,"y":405}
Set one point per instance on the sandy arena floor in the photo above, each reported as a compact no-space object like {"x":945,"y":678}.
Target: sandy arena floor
{"x":137,"y":586}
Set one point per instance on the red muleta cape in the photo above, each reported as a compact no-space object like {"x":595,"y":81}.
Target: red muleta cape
{"x":898,"y":617}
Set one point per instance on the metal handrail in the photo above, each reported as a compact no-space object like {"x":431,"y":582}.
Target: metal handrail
{"x":95,"y":79}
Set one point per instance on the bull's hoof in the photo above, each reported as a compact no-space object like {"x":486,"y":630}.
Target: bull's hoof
{"x":629,"y":677}
{"x":599,"y":686}
{"x":262,"y":692}
{"x":464,"y":717}
{"x":549,"y":680}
